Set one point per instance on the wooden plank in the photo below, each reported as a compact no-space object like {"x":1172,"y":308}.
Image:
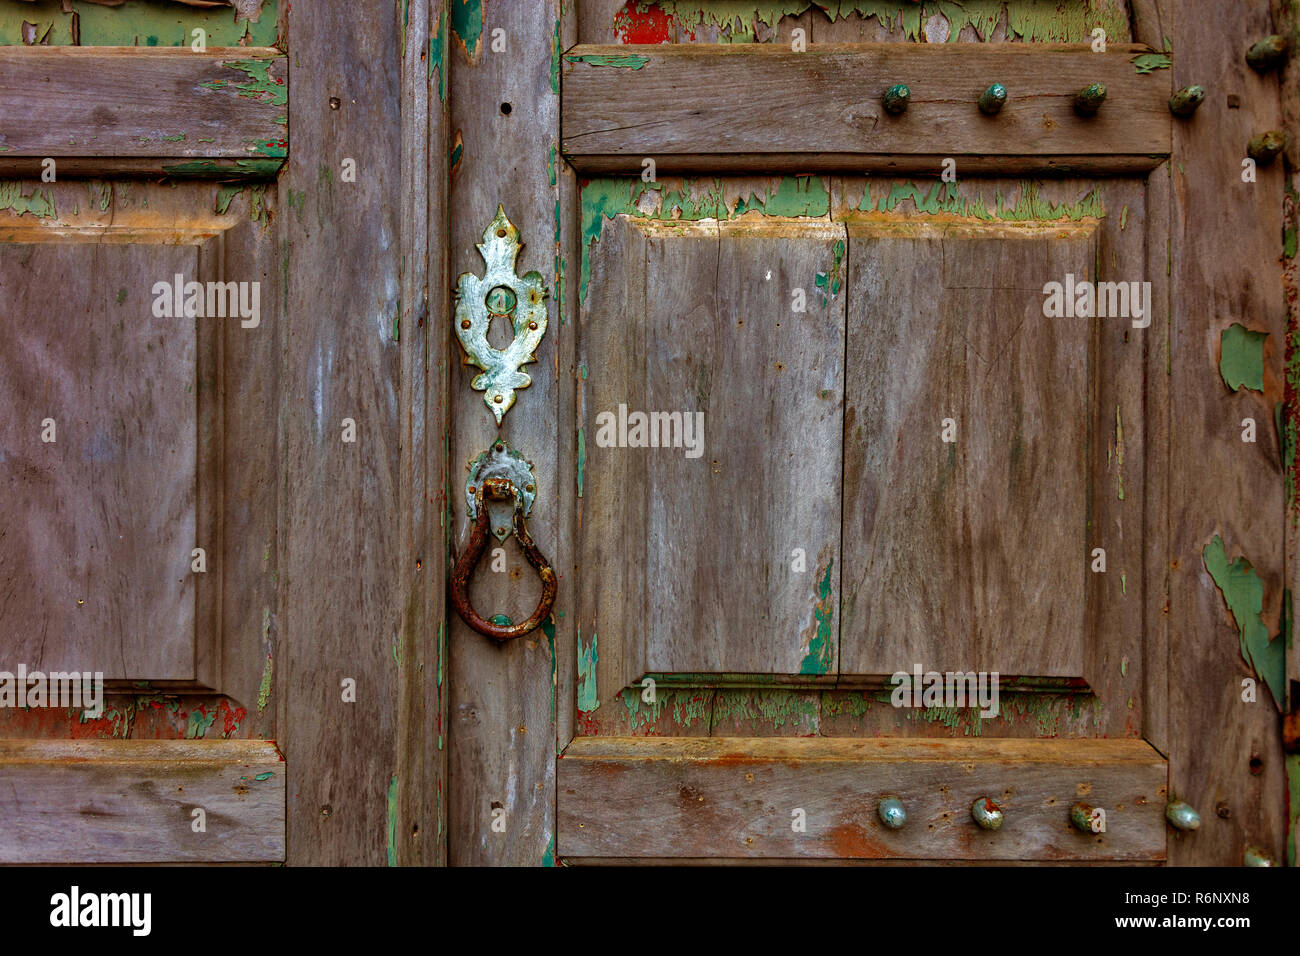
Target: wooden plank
{"x":1226,"y":757}
{"x":727,"y":518}
{"x":614,"y":511}
{"x":976,"y":540}
{"x":99,"y":524}
{"x":657,"y":797}
{"x":418,"y":822}
{"x":662,"y":102}
{"x":134,"y":110}
{"x":344,"y":576}
{"x":505,"y":108}
{"x":133,"y":801}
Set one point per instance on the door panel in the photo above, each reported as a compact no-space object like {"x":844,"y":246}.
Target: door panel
{"x":723,"y":345}
{"x":99,"y":522}
{"x":973,"y":555}
{"x":965,"y":554}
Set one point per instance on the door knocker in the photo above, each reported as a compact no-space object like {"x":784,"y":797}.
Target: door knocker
{"x":499,"y":494}
{"x":521,"y":300}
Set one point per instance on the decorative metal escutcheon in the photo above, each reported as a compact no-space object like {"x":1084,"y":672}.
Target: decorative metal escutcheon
{"x":521,"y":300}
{"x":499,"y":494}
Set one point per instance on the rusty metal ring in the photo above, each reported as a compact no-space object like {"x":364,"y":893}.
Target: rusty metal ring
{"x":500,"y":489}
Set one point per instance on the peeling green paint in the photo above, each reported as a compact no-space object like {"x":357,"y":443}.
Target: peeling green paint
{"x":548,"y":856}
{"x":621,"y":61}
{"x":260,"y":85}
{"x":689,"y":199}
{"x":140,"y":23}
{"x":1146,"y":62}
{"x":265,"y":776}
{"x":225,"y":196}
{"x":821,"y":647}
{"x":39,"y":203}
{"x":438,"y":56}
{"x":264,"y":688}
{"x":830,"y":283}
{"x":769,"y":710}
{"x":198,"y":722}
{"x":1241,"y":357}
{"x":1043,"y":21}
{"x":392,"y":821}
{"x":582,"y":458}
{"x":467,"y":24}
{"x":1243,"y":593}
{"x":557,"y":50}
{"x":264,"y":168}
{"x":946,"y":198}
{"x":587,"y":658}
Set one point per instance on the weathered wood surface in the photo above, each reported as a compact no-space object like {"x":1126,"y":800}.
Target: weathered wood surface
{"x":418,"y":824}
{"x":98,"y":525}
{"x":1225,"y":754}
{"x":965,"y":555}
{"x":345,"y":578}
{"x":735,"y":798}
{"x":505,"y":111}
{"x":128,"y":801}
{"x":662,"y":102}
{"x":130,"y":110}
{"x":614,"y":511}
{"x":134,"y":505}
{"x":726,"y":591}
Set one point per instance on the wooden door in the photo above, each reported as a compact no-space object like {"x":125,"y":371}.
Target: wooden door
{"x":260,"y":683}
{"x":910,"y":455}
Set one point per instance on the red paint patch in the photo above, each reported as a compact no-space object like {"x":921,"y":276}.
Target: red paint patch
{"x":230,"y":718}
{"x":648,"y":25}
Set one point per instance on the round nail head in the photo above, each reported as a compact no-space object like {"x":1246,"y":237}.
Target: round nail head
{"x":1186,"y":100}
{"x":993,"y":99}
{"x":892,"y":813}
{"x":1268,"y":54}
{"x":1181,"y":816}
{"x":987,"y":814}
{"x":1089,"y":99}
{"x":896,"y":98}
{"x":1081,"y":817}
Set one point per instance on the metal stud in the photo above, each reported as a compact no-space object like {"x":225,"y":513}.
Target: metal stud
{"x":1263,"y":149}
{"x":896,"y":98}
{"x":1081,"y":817}
{"x":1268,"y":54}
{"x":987,"y":814}
{"x":1254,"y":856}
{"x":1186,"y":100}
{"x":891,"y":812}
{"x":1089,"y":99}
{"x":993,"y":99}
{"x":1181,"y":816}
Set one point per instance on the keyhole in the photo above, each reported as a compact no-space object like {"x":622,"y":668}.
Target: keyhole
{"x":500,"y":302}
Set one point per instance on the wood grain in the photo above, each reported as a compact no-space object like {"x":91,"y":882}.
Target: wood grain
{"x":139,"y":111}
{"x":128,"y":801}
{"x":97,"y":527}
{"x":1223,"y":270}
{"x":344,"y":576}
{"x":733,"y":797}
{"x":965,"y":555}
{"x":664,"y":104}
{"x":502,"y":697}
